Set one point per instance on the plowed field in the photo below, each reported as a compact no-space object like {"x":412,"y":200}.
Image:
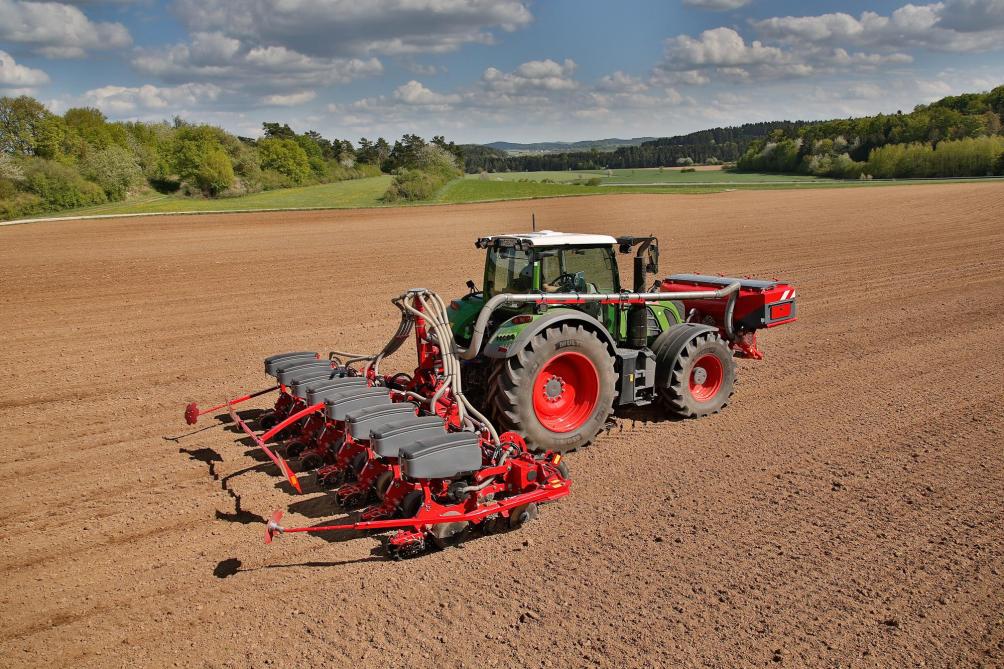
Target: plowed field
{"x":846,"y":509}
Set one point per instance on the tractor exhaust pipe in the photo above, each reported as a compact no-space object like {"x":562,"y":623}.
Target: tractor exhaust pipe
{"x":637,"y":334}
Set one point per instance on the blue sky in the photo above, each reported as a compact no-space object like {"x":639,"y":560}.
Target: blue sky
{"x":483,"y":70}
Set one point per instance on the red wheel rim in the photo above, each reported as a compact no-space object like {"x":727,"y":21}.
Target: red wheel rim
{"x":565,"y":392}
{"x":706,"y":377}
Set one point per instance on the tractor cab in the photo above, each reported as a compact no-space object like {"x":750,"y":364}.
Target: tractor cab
{"x":550,"y":262}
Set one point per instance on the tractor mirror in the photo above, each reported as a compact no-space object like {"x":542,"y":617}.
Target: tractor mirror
{"x":471,"y":286}
{"x":652,"y":259}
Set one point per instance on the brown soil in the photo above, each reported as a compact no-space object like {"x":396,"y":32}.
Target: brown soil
{"x":846,"y":509}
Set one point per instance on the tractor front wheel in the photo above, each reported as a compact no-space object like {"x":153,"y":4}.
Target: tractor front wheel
{"x":558,"y":391}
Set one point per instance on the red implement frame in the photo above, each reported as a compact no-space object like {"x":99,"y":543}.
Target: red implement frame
{"x":192,"y":411}
{"x":278,"y":460}
{"x":544,"y":494}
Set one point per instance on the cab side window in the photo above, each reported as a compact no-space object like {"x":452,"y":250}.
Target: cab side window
{"x":509,"y":271}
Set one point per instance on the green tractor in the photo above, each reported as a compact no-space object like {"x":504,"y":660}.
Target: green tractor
{"x":554,"y":343}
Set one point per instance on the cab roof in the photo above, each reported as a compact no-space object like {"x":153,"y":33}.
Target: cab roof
{"x":546,"y":238}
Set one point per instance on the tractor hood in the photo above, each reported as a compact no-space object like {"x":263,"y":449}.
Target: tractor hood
{"x":462,"y":313}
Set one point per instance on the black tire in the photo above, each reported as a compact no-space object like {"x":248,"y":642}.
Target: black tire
{"x":410,"y":504}
{"x":293,"y":449}
{"x":382,"y":484}
{"x":267,"y":421}
{"x":686,"y":353}
{"x":510,"y":388}
{"x":680,"y":309}
{"x":563,"y":469}
{"x":310,"y":462}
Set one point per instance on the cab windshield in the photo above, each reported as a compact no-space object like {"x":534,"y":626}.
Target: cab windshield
{"x":557,"y":269}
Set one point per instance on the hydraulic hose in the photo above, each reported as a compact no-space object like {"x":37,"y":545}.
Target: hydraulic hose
{"x":434,"y":313}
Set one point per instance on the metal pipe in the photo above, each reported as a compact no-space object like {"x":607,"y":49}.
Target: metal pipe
{"x":558,"y":299}
{"x":475,"y":488}
{"x":730,"y":332}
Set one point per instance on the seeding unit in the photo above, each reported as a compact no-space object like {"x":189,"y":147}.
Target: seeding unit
{"x":508,"y":379}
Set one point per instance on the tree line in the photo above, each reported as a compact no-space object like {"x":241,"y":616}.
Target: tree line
{"x":716,"y":145}
{"x":957,"y":136}
{"x":50,"y":162}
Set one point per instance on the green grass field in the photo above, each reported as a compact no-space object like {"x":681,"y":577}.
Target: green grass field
{"x":653,"y":176}
{"x":471,"y":188}
{"x":514,"y":186}
{"x":339,"y":195}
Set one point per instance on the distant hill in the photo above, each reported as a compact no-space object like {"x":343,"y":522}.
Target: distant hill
{"x":608,"y":144}
{"x":714,"y":144}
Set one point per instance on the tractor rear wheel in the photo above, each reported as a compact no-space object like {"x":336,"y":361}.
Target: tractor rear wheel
{"x":557,"y":392}
{"x":695,"y":371}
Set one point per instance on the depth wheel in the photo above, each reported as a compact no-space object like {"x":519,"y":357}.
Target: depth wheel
{"x":294,"y":448}
{"x":382,"y":485}
{"x":444,"y":535}
{"x":267,"y":421}
{"x":522,"y":515}
{"x":410,"y":504}
{"x":310,"y":462}
{"x":558,"y":391}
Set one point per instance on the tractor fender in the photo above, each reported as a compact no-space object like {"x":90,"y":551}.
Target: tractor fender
{"x":669,"y":344}
{"x":509,"y":339}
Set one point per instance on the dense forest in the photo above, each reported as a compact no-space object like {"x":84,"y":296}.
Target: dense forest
{"x":717,"y":145}
{"x":956,"y":136}
{"x":50,"y":162}
{"x":606,"y":144}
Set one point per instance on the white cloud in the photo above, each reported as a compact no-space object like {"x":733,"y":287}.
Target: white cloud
{"x":533,"y":94}
{"x":717,"y":5}
{"x":214,"y":56}
{"x":667,"y":77}
{"x":209,"y":54}
{"x":136,"y":101}
{"x":424,"y":70}
{"x":841,"y":57}
{"x":536,"y":75}
{"x":620,"y":82}
{"x":954,"y":25}
{"x":329,"y":28}
{"x":723,"y":52}
{"x":719,"y":47}
{"x":414,"y":93}
{"x":20,"y":78}
{"x":291,"y":100}
{"x":972,"y":15}
{"x":285,"y":62}
{"x":58,"y":30}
